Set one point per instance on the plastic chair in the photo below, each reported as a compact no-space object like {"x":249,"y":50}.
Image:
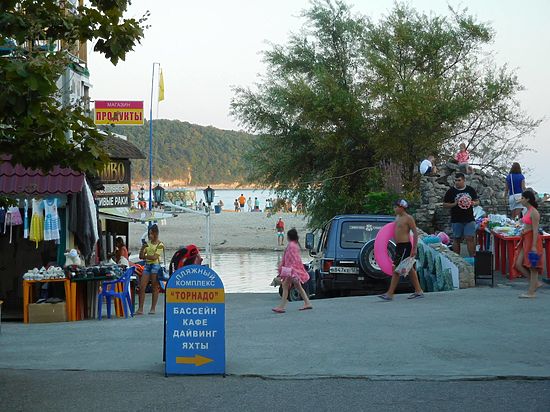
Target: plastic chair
{"x":109,"y":290}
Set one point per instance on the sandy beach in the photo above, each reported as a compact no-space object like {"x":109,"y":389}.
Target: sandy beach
{"x":230,"y":231}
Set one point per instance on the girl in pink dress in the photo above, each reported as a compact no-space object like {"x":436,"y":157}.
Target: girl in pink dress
{"x":292,"y":273}
{"x":463,"y":158}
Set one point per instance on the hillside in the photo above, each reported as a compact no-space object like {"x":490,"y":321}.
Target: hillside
{"x":195,"y":155}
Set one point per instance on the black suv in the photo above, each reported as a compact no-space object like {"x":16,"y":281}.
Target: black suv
{"x":343,"y":260}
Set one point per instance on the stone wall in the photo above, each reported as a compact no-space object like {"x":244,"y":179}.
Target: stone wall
{"x":431,"y":216}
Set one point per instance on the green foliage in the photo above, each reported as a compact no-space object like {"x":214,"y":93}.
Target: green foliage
{"x":36,"y":128}
{"x":182,"y":151}
{"x":7,"y":201}
{"x":380,"y":203}
{"x":346,"y":95}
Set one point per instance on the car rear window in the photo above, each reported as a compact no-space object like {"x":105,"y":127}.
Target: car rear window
{"x":355,"y":234}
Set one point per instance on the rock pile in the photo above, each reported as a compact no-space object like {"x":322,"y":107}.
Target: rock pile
{"x":432,"y":216}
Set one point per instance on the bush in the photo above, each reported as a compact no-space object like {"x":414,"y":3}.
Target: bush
{"x":381,"y":203}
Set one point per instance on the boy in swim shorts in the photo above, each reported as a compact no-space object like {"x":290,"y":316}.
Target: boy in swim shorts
{"x":404,"y":224}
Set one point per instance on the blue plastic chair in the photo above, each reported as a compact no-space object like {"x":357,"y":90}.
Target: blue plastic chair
{"x":108,"y":291}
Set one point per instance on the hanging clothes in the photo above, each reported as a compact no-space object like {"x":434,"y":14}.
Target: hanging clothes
{"x":26,"y":220}
{"x":93,"y":213}
{"x":83,"y":221}
{"x":51,"y":222}
{"x":12,"y":218}
{"x":36,"y":233}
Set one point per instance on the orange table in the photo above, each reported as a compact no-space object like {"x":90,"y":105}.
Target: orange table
{"x":505,"y":248}
{"x":78,"y":300}
{"x":27,"y":295}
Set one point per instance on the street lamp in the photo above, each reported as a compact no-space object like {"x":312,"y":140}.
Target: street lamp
{"x":209,"y":195}
{"x":158,"y":194}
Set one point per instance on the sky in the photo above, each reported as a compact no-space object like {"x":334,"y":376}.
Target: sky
{"x":206,"y":47}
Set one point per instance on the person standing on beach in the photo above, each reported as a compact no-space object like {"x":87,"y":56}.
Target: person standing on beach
{"x":249,"y":204}
{"x":404,"y":224}
{"x":256,"y":204}
{"x":242,"y":201}
{"x":461,"y":199}
{"x":150,"y":252}
{"x":280,"y":229}
{"x":292,"y":273}
{"x":236,"y":204}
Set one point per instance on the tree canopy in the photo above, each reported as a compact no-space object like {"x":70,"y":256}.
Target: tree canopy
{"x":37,"y":41}
{"x":347,"y":100}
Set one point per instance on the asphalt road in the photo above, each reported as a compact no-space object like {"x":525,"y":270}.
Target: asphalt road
{"x":479,"y":349}
{"x":26,"y":390}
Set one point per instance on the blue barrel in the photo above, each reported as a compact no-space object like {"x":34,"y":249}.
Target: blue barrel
{"x":217,"y":209}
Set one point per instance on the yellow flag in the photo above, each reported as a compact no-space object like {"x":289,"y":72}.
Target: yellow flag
{"x":161,"y":87}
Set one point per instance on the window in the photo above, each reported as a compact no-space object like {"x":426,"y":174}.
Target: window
{"x":324,"y":237}
{"x":355,"y":234}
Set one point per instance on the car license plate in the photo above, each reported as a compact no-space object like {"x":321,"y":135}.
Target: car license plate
{"x":340,"y":269}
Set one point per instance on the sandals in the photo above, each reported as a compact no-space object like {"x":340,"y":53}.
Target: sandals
{"x":278,"y":310}
{"x":415,"y":295}
{"x":385,"y":297}
{"x":526,"y":296}
{"x":306,"y":308}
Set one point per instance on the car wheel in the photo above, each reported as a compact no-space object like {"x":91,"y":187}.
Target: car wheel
{"x":367,"y":262}
{"x":293,"y":295}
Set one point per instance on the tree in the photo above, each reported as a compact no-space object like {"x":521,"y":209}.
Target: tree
{"x":37,"y":42}
{"x":348,"y":99}
{"x":311,"y":112}
{"x":434,"y":86}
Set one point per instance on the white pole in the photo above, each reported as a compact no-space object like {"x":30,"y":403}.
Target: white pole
{"x":209,"y":238}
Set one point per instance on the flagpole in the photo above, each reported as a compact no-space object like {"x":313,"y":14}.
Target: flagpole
{"x":151,"y":139}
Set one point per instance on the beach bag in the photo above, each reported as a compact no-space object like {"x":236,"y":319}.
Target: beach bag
{"x":286,"y":272}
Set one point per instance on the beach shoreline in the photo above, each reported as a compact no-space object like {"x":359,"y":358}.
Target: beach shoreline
{"x":231,"y":231}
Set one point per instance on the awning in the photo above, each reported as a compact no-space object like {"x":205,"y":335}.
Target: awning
{"x":21,"y":181}
{"x":133,"y":215}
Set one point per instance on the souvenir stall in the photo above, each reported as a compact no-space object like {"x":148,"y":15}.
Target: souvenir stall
{"x":112,"y":190}
{"x":55,"y":229}
{"x":500,"y":234}
{"x":37,"y":227}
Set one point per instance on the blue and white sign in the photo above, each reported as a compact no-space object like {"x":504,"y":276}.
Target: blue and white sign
{"x":195,"y":322}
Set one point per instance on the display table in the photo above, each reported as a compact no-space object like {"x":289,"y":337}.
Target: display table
{"x":504,"y":247}
{"x":84,"y":293}
{"x":27,"y":295}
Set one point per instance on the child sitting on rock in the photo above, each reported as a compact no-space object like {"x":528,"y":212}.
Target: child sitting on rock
{"x":463,"y":159}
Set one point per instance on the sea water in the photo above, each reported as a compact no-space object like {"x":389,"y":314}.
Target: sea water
{"x":227,"y":196}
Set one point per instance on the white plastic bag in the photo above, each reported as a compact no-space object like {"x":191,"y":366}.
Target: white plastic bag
{"x":405,"y":266}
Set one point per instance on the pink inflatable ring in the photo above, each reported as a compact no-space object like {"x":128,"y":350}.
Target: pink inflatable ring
{"x":381,"y":255}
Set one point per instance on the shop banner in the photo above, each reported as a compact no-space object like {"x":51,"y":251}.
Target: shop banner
{"x":195,"y":322}
{"x":115,"y":177}
{"x":119,"y":112}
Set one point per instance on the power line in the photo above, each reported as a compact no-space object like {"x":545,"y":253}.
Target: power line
{"x":337,"y":177}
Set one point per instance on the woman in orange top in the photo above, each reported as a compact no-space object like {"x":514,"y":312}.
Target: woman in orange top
{"x":527,"y":259}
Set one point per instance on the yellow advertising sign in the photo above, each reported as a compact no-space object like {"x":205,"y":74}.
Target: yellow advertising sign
{"x":180,"y":295}
{"x":118,"y":112}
